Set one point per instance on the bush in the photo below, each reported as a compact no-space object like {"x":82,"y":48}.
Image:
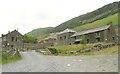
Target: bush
{"x":29,"y":39}
{"x":53,"y":51}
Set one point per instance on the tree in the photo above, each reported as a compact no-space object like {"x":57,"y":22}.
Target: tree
{"x":29,"y":39}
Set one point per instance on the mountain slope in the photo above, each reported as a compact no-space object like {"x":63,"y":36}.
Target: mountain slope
{"x":89,"y":17}
{"x":40,"y":31}
{"x":82,"y":20}
{"x":98,"y":23}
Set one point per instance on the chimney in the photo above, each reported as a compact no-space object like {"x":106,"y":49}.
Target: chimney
{"x":8,"y":31}
{"x":2,"y":35}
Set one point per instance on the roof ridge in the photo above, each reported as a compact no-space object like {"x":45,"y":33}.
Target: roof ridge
{"x":91,"y":30}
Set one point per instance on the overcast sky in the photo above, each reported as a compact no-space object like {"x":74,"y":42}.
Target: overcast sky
{"x":27,"y":15}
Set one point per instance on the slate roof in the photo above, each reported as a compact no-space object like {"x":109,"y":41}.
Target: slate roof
{"x":12,"y":32}
{"x":91,"y":30}
{"x":66,"y":31}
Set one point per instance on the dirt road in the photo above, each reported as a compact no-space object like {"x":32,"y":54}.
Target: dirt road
{"x":34,"y":62}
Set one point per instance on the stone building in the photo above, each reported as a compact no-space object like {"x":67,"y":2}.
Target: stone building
{"x":102,"y":34}
{"x":12,"y":40}
{"x":49,"y":41}
{"x":64,"y":37}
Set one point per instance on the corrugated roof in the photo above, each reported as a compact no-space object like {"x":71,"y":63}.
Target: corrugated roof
{"x":91,"y":30}
{"x":66,"y":31}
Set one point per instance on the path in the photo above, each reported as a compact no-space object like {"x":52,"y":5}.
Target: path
{"x":34,"y":62}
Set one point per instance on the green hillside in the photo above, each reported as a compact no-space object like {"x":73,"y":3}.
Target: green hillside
{"x":99,"y":17}
{"x":41,"y":31}
{"x":98,"y":23}
{"x":98,"y":14}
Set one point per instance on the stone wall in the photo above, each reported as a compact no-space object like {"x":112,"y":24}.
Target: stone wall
{"x":96,"y":48}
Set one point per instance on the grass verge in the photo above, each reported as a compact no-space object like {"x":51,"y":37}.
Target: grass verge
{"x":7,"y":58}
{"x":11,"y":60}
{"x":66,"y":49}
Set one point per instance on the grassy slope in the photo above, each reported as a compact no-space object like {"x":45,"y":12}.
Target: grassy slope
{"x":98,"y":23}
{"x":107,"y":51}
{"x":68,"y":48}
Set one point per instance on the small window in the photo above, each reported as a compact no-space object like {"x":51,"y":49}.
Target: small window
{"x":11,"y":46}
{"x":64,"y":37}
{"x":87,"y":40}
{"x":98,"y":39}
{"x":108,"y":30}
{"x":16,"y":39}
{"x":113,"y":38}
{"x":98,"y":33}
{"x":75,"y":37}
{"x":12,"y":38}
{"x":60,"y":38}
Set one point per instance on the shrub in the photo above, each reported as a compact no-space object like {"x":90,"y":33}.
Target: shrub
{"x":53,"y":51}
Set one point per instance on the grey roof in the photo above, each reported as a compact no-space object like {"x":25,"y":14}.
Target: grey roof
{"x":12,"y":32}
{"x":91,"y":30}
{"x":66,"y":31}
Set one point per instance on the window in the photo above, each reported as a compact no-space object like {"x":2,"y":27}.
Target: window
{"x":60,"y":38}
{"x":16,"y":39}
{"x":64,"y":37}
{"x":12,"y":38}
{"x":75,"y":37}
{"x":87,"y":40}
{"x":11,"y":46}
{"x":113,"y":38}
{"x":4,"y":38}
{"x":98,"y":33}
{"x":98,"y":39}
{"x":108,"y":30}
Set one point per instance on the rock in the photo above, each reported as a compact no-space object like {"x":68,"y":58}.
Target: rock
{"x":87,"y":50}
{"x":68,"y":65}
{"x":71,"y":52}
{"x":79,"y":60}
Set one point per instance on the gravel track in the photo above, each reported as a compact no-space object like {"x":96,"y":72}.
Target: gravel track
{"x":35,"y":62}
